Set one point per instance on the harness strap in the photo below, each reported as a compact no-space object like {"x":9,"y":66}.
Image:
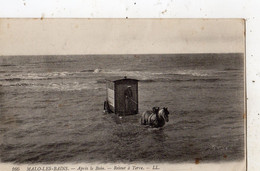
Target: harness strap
{"x":149,"y":118}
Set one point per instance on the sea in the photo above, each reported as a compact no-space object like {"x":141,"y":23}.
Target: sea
{"x":51,"y":109}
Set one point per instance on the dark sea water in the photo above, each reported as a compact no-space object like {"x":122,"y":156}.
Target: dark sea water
{"x":51,"y":109}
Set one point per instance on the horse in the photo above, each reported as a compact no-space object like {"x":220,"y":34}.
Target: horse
{"x":154,"y":119}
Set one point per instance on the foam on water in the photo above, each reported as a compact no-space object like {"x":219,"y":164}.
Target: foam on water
{"x":63,"y":81}
{"x":33,"y":76}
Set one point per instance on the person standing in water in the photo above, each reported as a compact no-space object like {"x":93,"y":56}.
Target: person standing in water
{"x":128,"y":97}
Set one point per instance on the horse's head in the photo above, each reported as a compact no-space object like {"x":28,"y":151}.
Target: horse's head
{"x":164,"y":113}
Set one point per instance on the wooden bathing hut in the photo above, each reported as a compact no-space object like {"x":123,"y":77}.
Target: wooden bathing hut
{"x":122,"y":96}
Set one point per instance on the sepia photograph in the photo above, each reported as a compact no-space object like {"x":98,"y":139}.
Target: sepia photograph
{"x":96,"y":108}
{"x":174,"y":106}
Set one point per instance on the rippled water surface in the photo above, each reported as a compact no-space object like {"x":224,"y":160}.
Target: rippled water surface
{"x":51,"y":109}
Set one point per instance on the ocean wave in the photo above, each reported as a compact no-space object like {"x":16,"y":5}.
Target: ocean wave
{"x":12,"y":79}
{"x":148,"y":81}
{"x":203,"y":79}
{"x":68,"y":86}
{"x":34,"y":76}
{"x":156,"y":73}
{"x":196,"y":73}
{"x":87,"y":70}
{"x":7,"y":65}
{"x":15,"y":84}
{"x":97,"y":71}
{"x":98,"y":77}
{"x":181,"y":80}
{"x":160,"y":76}
{"x":103,"y":81}
{"x":146,"y":76}
{"x":54,"y":86}
{"x":100,"y":81}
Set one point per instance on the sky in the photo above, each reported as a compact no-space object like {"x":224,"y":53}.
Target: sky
{"x":120,"y":36}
